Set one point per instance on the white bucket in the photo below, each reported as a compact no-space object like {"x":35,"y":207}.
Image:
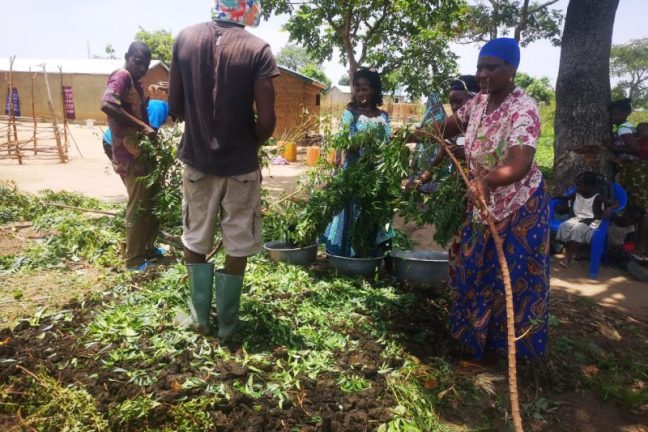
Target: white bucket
{"x":90,"y":123}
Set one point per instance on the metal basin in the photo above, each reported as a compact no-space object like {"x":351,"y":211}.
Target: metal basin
{"x":355,"y":266}
{"x":279,"y":250}
{"x":420,"y":269}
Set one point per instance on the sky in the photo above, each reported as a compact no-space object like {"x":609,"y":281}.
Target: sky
{"x":69,"y":29}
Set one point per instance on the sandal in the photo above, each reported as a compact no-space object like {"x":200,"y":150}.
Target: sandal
{"x":566,"y":264}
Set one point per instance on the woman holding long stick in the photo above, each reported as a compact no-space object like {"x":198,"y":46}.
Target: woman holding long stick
{"x":501,"y":128}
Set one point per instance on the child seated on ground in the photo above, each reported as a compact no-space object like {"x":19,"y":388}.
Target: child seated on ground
{"x":620,"y":228}
{"x":587,"y":208}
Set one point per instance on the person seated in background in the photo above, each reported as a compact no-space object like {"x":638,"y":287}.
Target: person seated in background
{"x":624,"y":144}
{"x":622,"y":227}
{"x":642,"y":140}
{"x":462,"y":90}
{"x":158,"y":112}
{"x":587,"y":208}
{"x":631,"y":169}
{"x":106,"y":142}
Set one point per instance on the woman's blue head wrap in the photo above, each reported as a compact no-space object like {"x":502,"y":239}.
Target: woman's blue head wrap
{"x":506,"y":49}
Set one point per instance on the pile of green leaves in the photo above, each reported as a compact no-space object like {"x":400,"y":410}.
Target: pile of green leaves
{"x":16,"y":206}
{"x":300,"y":327}
{"x":66,"y":235}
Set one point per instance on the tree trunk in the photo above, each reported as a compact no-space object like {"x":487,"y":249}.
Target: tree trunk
{"x":353,"y":64}
{"x":583,"y":91}
{"x":524,"y":19}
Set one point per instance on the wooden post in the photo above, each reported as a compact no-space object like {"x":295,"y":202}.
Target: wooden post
{"x":8,"y":121}
{"x":33,"y":106}
{"x":50,"y":105}
{"x":12,"y":113}
{"x":65,"y":122}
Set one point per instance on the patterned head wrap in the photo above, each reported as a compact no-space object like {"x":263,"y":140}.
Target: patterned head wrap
{"x":243,"y":12}
{"x":506,"y":49}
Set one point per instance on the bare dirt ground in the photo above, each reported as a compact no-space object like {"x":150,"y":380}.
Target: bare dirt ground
{"x":92,"y":175}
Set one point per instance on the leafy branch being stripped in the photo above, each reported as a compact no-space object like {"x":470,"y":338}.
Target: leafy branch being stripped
{"x":371,"y":185}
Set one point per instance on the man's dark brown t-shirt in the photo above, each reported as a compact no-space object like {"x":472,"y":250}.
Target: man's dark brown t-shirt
{"x":211,"y":87}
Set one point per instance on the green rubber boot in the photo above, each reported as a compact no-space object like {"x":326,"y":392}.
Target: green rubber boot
{"x":201,"y":279}
{"x":228,"y":300}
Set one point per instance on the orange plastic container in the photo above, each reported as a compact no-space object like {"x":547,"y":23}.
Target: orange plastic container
{"x":312,"y":154}
{"x":331,"y":156}
{"x":289,"y":150}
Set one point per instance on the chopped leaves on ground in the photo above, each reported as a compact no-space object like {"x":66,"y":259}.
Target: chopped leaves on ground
{"x":319,"y":352}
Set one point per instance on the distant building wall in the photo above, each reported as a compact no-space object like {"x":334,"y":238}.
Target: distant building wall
{"x":293,"y":95}
{"x":87,"y":92}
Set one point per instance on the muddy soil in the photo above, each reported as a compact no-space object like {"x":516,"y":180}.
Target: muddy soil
{"x":320,"y":405}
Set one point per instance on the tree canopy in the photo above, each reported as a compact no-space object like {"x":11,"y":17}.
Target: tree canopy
{"x":406,"y":40}
{"x":297,"y":58}
{"x":160,"y":42}
{"x":315,"y":72}
{"x":538,"y":88}
{"x":630,"y":62}
{"x":294,"y":57}
{"x":524,"y":20}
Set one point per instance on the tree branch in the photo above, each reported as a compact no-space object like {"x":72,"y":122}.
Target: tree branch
{"x":524,"y":19}
{"x":372,"y":30}
{"x":542,"y":6}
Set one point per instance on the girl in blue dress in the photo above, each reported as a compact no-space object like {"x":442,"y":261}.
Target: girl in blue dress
{"x":362,"y":114}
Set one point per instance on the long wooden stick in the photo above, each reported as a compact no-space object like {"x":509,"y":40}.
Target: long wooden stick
{"x":57,"y":132}
{"x":51,"y":204}
{"x":33,"y":106}
{"x":12,"y":113}
{"x":276,"y":203}
{"x":76,"y":145}
{"x":65,"y":122}
{"x":6,"y":302}
{"x":508,"y":294}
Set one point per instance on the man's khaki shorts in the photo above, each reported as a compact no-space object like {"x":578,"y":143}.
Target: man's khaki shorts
{"x":235,"y":200}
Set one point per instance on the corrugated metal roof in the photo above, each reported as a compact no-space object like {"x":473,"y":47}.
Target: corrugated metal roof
{"x":83,"y":66}
{"x":343,"y":88}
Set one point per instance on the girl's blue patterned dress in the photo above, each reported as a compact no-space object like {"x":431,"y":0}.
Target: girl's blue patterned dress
{"x":337,"y":236}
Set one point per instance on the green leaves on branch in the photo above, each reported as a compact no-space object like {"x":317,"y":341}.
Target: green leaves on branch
{"x":159,"y":41}
{"x":527,"y":22}
{"x":165,"y":171}
{"x":630,"y":63}
{"x":445,"y":208}
{"x":538,"y":88}
{"x":406,"y":39}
